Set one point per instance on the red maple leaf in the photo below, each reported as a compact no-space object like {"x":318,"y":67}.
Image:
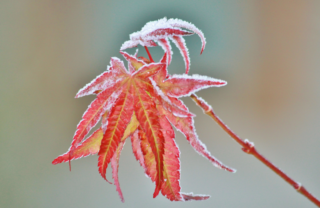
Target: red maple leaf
{"x":162,"y":30}
{"x":143,"y":103}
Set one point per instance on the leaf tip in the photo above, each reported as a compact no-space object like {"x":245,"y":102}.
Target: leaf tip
{"x":156,"y":191}
{"x":55,"y":161}
{"x":196,"y":197}
{"x":232,"y":170}
{"x":105,"y":178}
{"x":202,"y":49}
{"x":103,"y":175}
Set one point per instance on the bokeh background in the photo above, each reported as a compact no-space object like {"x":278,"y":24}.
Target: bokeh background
{"x":267,"y":50}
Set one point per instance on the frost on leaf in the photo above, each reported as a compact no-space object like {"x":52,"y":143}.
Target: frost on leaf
{"x":143,"y":103}
{"x":181,"y":44}
{"x":164,"y":43}
{"x":162,"y":29}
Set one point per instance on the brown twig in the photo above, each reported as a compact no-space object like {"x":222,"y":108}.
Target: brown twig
{"x":248,"y":147}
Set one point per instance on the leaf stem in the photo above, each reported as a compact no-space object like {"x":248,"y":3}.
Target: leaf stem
{"x":248,"y":147}
{"x":150,"y":57}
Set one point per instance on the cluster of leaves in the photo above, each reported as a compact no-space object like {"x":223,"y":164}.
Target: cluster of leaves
{"x":142,"y":103}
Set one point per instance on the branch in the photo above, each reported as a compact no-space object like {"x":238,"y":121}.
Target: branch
{"x":248,"y":147}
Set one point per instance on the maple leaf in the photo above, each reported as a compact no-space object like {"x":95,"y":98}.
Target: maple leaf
{"x":140,"y":102}
{"x":143,"y":103}
{"x":161,"y":31}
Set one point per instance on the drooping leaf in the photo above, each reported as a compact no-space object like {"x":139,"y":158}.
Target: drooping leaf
{"x":164,"y":43}
{"x":181,"y":44}
{"x":119,"y":118}
{"x":189,"y":26}
{"x":162,"y":29}
{"x":171,"y":163}
{"x":158,"y":33}
{"x":149,"y":122}
{"x":115,"y":168}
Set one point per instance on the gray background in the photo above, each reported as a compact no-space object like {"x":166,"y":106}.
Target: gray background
{"x":268,"y":51}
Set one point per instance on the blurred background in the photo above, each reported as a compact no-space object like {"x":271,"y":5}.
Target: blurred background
{"x":267,"y":50}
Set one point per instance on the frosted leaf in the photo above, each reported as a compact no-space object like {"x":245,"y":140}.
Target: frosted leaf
{"x":179,"y":103}
{"x":189,"y":26}
{"x":185,"y":85}
{"x":101,"y":82}
{"x":148,"y":43}
{"x":160,"y":30}
{"x":105,"y":100}
{"x":159,"y":92}
{"x":164,"y":43}
{"x":136,"y":63}
{"x":162,"y":74}
{"x":90,"y":146}
{"x":115,"y":168}
{"x":114,"y":74}
{"x":158,"y":33}
{"x":129,"y":44}
{"x":148,"y":70}
{"x":118,"y":65}
{"x":136,"y":53}
{"x":131,"y":68}
{"x":181,"y":45}
{"x":171,"y":187}
{"x":168,"y":105}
